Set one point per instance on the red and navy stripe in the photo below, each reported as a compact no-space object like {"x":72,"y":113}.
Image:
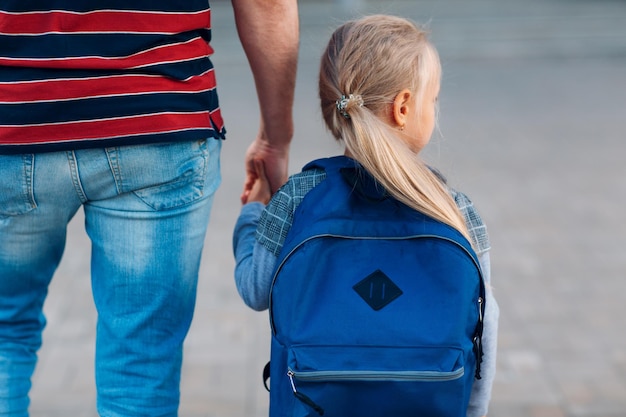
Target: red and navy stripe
{"x":100,"y":73}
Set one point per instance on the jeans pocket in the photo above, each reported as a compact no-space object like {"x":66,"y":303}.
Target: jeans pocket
{"x":16,"y":186}
{"x":162,"y":175}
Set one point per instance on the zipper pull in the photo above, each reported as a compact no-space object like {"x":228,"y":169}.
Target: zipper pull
{"x":478,"y":353}
{"x":478,"y":343}
{"x":300,"y":396}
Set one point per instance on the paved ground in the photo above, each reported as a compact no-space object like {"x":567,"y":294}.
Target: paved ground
{"x":532,"y":127}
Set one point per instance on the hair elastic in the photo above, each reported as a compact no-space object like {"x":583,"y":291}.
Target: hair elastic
{"x":342,"y":103}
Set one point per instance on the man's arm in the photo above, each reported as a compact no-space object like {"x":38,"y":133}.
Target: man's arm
{"x":269,"y":34}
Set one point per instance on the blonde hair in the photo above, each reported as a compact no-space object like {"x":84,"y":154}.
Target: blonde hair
{"x":376,"y":57}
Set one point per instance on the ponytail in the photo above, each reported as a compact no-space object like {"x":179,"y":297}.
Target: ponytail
{"x":366,"y":63}
{"x":400,"y":171}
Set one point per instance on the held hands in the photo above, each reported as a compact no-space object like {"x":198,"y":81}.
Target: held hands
{"x":259,"y":190}
{"x":267,"y":163}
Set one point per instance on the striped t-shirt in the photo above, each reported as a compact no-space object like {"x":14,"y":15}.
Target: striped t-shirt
{"x":76,"y":73}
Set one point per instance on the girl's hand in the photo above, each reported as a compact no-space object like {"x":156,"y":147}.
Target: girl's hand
{"x":275,"y":159}
{"x":259,"y":190}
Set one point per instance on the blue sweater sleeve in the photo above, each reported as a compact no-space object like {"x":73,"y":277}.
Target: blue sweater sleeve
{"x":254,"y":264}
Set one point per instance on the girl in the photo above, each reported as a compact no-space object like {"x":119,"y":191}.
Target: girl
{"x":378,"y":85}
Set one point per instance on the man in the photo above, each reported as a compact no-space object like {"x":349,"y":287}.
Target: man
{"x":112,"y":106}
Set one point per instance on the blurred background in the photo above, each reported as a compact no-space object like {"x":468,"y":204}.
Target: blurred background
{"x":532,"y":127}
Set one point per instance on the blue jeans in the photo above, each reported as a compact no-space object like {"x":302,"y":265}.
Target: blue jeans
{"x":146,"y":212}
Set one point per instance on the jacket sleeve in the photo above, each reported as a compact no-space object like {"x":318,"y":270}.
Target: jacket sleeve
{"x":254,"y":264}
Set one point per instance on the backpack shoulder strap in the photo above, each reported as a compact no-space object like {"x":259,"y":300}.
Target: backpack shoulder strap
{"x":349,"y":193}
{"x":357,"y":179}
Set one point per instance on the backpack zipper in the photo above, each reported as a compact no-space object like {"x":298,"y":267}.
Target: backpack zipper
{"x":300,"y":396}
{"x":416,"y":376}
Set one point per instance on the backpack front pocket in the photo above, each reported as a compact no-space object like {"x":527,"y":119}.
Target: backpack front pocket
{"x":377,"y":381}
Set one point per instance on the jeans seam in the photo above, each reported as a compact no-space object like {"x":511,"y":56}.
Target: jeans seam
{"x":113,"y":159}
{"x":71,"y":158}
{"x":204,"y":148}
{"x":29,"y":166}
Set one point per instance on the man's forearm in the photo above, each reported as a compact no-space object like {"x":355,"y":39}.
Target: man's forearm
{"x":269,"y":34}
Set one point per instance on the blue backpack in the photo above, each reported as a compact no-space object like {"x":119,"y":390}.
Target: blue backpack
{"x":376,"y":309}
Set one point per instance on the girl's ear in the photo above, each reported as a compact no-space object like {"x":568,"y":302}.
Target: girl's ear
{"x":401,"y":105}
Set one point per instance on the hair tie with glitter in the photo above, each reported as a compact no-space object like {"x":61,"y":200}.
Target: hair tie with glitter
{"x":344,"y":101}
